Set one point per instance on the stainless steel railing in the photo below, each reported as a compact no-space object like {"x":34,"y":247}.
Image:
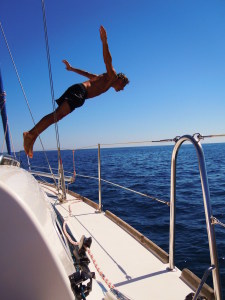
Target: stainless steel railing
{"x":210,"y":220}
{"x":207,"y":206}
{"x":99,"y":180}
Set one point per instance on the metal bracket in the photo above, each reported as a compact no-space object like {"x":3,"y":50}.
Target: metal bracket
{"x":205,"y":276}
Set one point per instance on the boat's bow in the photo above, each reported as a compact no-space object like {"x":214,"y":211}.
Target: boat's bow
{"x":33,"y":261}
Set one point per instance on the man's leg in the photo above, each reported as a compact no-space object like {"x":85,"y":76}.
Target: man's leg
{"x":31,"y":136}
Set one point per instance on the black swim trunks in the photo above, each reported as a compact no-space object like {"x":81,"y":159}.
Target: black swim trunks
{"x":74,"y":95}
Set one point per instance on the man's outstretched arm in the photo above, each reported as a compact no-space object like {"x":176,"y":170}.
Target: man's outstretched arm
{"x":106,"y":54}
{"x":78,"y":71}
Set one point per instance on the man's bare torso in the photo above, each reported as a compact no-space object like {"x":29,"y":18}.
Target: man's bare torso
{"x":98,"y":85}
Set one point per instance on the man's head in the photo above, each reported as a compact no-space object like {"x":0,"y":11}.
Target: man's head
{"x":120,"y":82}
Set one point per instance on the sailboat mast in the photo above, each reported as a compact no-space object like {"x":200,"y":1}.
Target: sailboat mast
{"x":4,"y":115}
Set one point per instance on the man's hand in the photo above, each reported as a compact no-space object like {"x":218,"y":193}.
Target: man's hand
{"x":68,"y":66}
{"x":103,"y":34}
{"x":106,"y":54}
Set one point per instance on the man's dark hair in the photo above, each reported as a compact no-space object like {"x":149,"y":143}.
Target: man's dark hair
{"x":123,"y":77}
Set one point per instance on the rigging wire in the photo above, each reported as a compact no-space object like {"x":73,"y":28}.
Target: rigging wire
{"x":18,"y":77}
{"x":25,"y":97}
{"x":3,"y":145}
{"x":4,"y":141}
{"x":7,"y":128}
{"x":53,"y":103}
{"x":12,"y":141}
{"x":50,"y":75}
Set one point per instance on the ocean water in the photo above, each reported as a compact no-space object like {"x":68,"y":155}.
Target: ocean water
{"x":147,"y":170}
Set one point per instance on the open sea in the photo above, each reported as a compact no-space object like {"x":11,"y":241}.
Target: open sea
{"x":147,"y":170}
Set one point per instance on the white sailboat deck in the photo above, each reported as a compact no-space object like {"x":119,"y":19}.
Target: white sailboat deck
{"x":134,"y":270}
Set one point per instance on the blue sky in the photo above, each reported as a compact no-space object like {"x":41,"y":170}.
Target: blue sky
{"x":173,"y":52}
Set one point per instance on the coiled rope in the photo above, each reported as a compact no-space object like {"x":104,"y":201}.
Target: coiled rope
{"x":106,"y":280}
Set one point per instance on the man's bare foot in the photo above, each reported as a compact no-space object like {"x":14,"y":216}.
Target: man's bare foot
{"x":28,"y":142}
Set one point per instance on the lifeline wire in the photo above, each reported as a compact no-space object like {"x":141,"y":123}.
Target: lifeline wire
{"x":151,"y":141}
{"x":216,"y":221}
{"x":212,"y":136}
{"x":125,"y":188}
{"x":25,"y":97}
